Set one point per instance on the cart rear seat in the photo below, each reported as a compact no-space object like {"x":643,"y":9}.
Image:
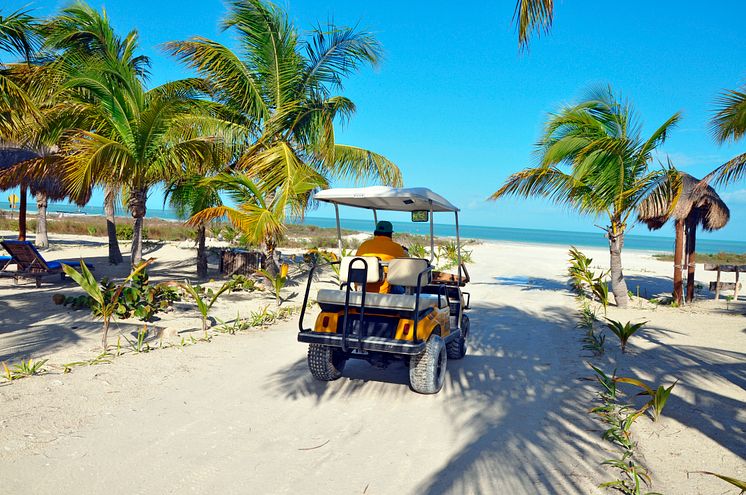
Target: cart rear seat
{"x":399,"y":302}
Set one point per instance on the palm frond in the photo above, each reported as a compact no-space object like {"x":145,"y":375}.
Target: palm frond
{"x":729,"y":121}
{"x":532,"y":16}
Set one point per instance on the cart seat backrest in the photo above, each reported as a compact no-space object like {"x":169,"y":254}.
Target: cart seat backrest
{"x":405,"y":272}
{"x":373,"y":264}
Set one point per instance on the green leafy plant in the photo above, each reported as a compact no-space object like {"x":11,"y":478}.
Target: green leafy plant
{"x":624,"y":331}
{"x":635,"y":476}
{"x":277,"y":281}
{"x":205,"y":299}
{"x":24,"y":368}
{"x":92,"y":230}
{"x":584,"y":281}
{"x":238,"y":325}
{"x":240,"y":283}
{"x":106,"y":306}
{"x":658,"y":396}
{"x":594,"y":342}
{"x":417,"y":250}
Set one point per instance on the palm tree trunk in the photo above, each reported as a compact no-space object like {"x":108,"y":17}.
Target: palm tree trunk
{"x":678,"y":257}
{"x":137,"y":200}
{"x":271,"y":265}
{"x":201,"y":252}
{"x":691,"y":257}
{"x":618,"y":285}
{"x":42,"y":238}
{"x":22,"y":215}
{"x":115,"y":254}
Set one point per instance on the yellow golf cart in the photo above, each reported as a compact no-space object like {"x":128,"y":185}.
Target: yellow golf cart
{"x":424,"y":327}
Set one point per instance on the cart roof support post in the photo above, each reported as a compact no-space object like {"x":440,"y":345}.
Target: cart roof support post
{"x":339,"y":230}
{"x":375,"y":216}
{"x":458,"y":249}
{"x":432,"y":236}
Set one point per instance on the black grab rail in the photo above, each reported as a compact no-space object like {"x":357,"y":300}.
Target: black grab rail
{"x":308,"y":290}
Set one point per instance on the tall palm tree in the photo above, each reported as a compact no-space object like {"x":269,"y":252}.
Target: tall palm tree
{"x":729,"y":124}
{"x":608,"y":169}
{"x":79,"y":34}
{"x":279,"y":89}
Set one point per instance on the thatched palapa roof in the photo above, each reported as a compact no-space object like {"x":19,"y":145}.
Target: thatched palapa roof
{"x":696,"y":199}
{"x":22,"y":167}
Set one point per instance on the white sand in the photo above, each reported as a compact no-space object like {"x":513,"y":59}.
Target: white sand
{"x":241,"y":414}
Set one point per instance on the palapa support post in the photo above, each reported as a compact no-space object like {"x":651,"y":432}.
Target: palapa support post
{"x":678,"y":283}
{"x":691,"y":257}
{"x":735,"y":290}
{"x":717,"y":285}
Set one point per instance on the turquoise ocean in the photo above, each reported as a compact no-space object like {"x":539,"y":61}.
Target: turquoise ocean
{"x":534,"y":236}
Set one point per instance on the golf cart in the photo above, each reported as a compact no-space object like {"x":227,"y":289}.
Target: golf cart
{"x":424,"y":327}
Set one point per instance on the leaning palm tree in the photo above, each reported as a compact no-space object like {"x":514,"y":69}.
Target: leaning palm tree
{"x":729,"y":124}
{"x":594,"y":160}
{"x":261,"y":213}
{"x":280,"y":90}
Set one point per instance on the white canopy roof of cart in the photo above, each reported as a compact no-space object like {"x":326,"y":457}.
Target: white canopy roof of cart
{"x":386,"y":198}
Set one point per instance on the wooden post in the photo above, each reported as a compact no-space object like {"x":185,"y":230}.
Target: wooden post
{"x":735,"y":290}
{"x":678,"y":259}
{"x":22,"y":215}
{"x":717,"y":285}
{"x":691,"y":257}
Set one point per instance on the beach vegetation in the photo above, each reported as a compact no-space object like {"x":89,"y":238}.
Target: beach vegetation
{"x":103,"y":358}
{"x":593,"y":159}
{"x":658,"y":396}
{"x":624,"y":330}
{"x":277,"y":281}
{"x":584,"y":281}
{"x":105,"y":305}
{"x":25,"y":368}
{"x":205,"y":299}
{"x":721,"y":258}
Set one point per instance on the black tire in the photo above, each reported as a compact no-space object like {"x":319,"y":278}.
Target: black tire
{"x":457,"y":348}
{"x":325,"y":363}
{"x":427,"y":370}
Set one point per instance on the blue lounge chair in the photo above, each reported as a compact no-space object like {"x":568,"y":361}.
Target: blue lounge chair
{"x":31,"y":264}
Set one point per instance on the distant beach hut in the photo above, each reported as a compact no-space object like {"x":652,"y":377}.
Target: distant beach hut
{"x":698,"y":205}
{"x":22,"y":168}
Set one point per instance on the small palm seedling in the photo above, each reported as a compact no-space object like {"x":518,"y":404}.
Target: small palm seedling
{"x":624,"y":332}
{"x":103,"y":358}
{"x":139,"y":345}
{"x":24,"y":369}
{"x":635,"y":476}
{"x":607,"y":382}
{"x":740,"y":484}
{"x":262,"y":318}
{"x":238,"y":325}
{"x":277,"y":281}
{"x":204,"y":299}
{"x":594,"y":342}
{"x":658,"y":397}
{"x":107,"y":306}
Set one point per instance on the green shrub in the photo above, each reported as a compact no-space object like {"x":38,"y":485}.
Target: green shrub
{"x":624,"y":332}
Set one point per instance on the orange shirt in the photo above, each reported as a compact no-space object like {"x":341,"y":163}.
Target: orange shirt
{"x":384,"y":249}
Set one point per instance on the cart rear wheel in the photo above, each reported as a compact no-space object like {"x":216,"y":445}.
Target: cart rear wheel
{"x":427,"y":370}
{"x":457,"y":348}
{"x":325,"y":363}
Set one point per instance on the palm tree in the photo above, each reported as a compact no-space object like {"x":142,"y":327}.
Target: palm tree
{"x":261,"y":213}
{"x":279,"y":91}
{"x":729,"y":124}
{"x":81,"y":34}
{"x":609,"y":169}
{"x":189,"y":194}
{"x":138,"y":137}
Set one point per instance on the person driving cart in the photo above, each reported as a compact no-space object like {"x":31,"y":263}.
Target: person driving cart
{"x":384,"y":248}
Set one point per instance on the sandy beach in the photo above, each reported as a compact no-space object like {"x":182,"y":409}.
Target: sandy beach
{"x":241,"y":413}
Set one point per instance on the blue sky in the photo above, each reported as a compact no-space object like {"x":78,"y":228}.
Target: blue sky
{"x":458,"y":107}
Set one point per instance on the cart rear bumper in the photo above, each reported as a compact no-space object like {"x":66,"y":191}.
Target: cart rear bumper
{"x":370,"y":344}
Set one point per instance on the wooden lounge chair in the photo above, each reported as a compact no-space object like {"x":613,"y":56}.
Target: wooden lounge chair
{"x":30,"y":263}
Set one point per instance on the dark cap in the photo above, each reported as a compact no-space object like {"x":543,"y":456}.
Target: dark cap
{"x":383,"y":227}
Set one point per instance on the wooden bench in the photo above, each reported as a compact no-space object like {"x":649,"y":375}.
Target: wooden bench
{"x":717,"y":286}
